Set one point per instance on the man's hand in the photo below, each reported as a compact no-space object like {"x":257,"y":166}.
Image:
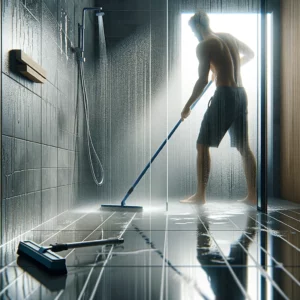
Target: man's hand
{"x":185,"y":113}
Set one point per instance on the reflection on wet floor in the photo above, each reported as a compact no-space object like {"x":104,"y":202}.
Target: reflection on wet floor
{"x":221,"y":251}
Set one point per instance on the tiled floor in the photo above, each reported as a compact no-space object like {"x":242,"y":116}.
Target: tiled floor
{"x":221,"y":251}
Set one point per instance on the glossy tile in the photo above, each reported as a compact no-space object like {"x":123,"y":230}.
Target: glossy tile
{"x":60,"y":221}
{"x":133,"y":283}
{"x":134,"y":252}
{"x":292,"y":214}
{"x":107,"y":220}
{"x":184,"y":256}
{"x":285,"y":220}
{"x":286,"y":282}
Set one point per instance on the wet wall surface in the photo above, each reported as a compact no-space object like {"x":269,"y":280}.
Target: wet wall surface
{"x":144,"y":100}
{"x":220,"y":251}
{"x":42,"y":174}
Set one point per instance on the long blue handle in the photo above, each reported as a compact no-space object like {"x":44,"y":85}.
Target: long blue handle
{"x":160,"y":148}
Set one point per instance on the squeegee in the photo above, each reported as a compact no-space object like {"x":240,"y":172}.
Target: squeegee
{"x":123,"y":206}
{"x":52,"y":262}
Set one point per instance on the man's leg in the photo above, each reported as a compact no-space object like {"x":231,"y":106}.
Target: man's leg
{"x":249,"y":165}
{"x":203,"y":168}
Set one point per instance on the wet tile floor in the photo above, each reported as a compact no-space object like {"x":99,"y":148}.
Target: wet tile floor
{"x":221,"y":251}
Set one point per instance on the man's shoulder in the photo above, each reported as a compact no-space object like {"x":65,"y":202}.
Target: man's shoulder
{"x":207,"y":44}
{"x":204,"y":44}
{"x":203,"y":49}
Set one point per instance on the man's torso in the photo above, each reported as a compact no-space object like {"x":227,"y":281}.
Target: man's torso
{"x":224,"y":60}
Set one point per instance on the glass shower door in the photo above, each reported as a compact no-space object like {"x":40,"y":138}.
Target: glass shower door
{"x":227,"y":179}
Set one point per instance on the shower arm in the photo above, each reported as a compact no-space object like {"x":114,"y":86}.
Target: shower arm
{"x":81,"y":27}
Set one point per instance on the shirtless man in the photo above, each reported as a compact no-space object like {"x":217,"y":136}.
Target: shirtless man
{"x":227,"y":110}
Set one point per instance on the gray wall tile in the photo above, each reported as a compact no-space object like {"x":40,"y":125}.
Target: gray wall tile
{"x":49,"y":204}
{"x":33,"y":155}
{"x":49,"y":156}
{"x":6,"y":163}
{"x":33,"y":180}
{"x":33,"y":207}
{"x":62,"y":198}
{"x":49,"y":178}
{"x":62,"y":176}
{"x":33,"y":112}
{"x":62,"y":139}
{"x":39,"y":123}
{"x":9,"y":90}
{"x":19,"y":155}
{"x":63,"y":158}
{"x":14,"y":209}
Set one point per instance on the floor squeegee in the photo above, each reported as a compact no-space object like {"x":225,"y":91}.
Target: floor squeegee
{"x":52,"y":262}
{"x":130,"y":208}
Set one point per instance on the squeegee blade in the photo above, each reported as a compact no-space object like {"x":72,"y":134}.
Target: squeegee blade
{"x":49,"y":260}
{"x":125,"y":208}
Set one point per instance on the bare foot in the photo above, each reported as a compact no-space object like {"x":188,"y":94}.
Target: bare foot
{"x":195,"y":199}
{"x":250,"y":200}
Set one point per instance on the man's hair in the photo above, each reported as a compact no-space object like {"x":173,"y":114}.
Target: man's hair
{"x":200,"y":18}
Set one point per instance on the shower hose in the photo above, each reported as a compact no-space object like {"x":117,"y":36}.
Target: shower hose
{"x":91,"y":148}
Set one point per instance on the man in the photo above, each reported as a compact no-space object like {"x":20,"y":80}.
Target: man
{"x":220,"y":53}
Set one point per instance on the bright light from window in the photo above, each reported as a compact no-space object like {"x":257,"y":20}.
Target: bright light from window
{"x":245,"y":28}
{"x":242,"y":26}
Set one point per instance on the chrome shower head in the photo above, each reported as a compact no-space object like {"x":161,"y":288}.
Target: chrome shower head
{"x":81,"y":28}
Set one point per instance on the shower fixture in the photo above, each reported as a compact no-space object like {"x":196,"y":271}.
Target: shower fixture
{"x":81,"y":27}
{"x":81,"y":59}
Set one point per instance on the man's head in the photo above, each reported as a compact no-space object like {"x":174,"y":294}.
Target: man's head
{"x":199,"y":23}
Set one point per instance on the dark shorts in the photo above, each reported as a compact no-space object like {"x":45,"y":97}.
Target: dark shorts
{"x":227,"y":110}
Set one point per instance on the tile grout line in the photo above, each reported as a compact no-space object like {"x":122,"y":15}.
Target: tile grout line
{"x":295,"y":247}
{"x":225,"y":260}
{"x":43,"y":144}
{"x":33,"y":229}
{"x":164,"y":259}
{"x":62,"y":291}
{"x":295,"y":212}
{"x":297,"y":220}
{"x":265,"y":274}
{"x":284,"y":223}
{"x":91,"y":233}
{"x":22,"y":274}
{"x":257,"y":264}
{"x":68,"y":253}
{"x":106,"y":261}
{"x":184,"y":277}
{"x":280,"y":265}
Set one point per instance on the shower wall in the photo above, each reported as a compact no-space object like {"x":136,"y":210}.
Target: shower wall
{"x":142,"y":102}
{"x":43,"y":152}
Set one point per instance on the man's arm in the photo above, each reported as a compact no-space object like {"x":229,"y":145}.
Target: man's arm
{"x":246,"y":51}
{"x":203,"y":71}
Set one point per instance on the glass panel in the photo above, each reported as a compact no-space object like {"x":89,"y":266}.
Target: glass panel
{"x":227,"y":179}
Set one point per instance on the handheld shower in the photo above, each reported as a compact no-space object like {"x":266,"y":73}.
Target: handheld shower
{"x":81,"y":59}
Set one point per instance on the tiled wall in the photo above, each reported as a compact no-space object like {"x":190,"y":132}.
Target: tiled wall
{"x":42,"y":173}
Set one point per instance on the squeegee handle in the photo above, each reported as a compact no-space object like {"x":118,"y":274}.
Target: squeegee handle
{"x":160,"y":148}
{"x":62,"y":247}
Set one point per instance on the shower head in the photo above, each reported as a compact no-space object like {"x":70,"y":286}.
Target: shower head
{"x":81,"y":27}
